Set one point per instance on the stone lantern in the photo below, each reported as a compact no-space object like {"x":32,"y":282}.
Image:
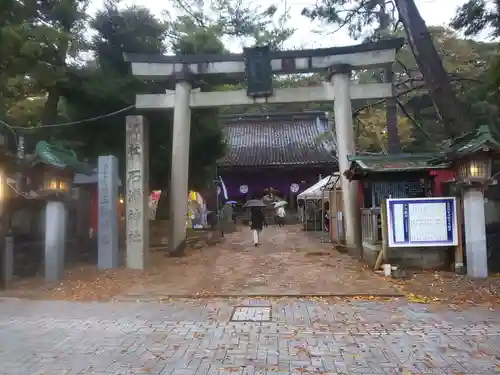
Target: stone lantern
{"x":474,"y":169}
{"x":49,"y":182}
{"x":472,"y":156}
{"x":50,"y":171}
{"x":57,"y":183}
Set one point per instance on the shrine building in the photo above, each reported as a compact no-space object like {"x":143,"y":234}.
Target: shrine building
{"x":280,"y":152}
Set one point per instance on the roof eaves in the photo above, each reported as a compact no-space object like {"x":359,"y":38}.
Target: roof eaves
{"x":469,"y":143}
{"x":391,"y":157}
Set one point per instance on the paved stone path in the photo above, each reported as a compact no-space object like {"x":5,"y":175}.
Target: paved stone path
{"x":195,"y":337}
{"x":289,"y":262}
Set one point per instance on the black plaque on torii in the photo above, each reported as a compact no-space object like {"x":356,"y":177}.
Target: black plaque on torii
{"x":258,"y":71}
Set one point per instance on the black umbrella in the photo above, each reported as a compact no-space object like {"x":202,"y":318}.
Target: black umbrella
{"x":254,"y":203}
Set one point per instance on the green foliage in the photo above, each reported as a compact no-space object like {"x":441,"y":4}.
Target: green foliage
{"x":468,"y":62}
{"x":472,"y":18}
{"x":364,"y":19}
{"x":238,"y":19}
{"x":38,"y":86}
{"x":131,"y":30}
{"x":39,"y":37}
{"x":475,"y":16}
{"x":460,"y":57}
{"x":20,"y":48}
{"x":373,"y":133}
{"x":107,"y":86}
{"x":193,"y":37}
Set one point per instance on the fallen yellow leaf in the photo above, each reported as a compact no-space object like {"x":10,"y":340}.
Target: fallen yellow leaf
{"x":417,"y":299}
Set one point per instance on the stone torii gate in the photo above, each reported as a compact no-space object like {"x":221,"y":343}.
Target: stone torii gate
{"x":257,"y":65}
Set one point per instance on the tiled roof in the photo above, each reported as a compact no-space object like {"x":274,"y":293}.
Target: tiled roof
{"x":470,"y":143}
{"x":394,"y":163}
{"x":255,"y":142}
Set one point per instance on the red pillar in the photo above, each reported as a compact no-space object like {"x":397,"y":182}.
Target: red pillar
{"x":361,"y":195}
{"x":441,"y":176}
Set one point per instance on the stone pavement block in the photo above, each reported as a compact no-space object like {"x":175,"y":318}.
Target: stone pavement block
{"x":58,"y":337}
{"x":236,"y":268}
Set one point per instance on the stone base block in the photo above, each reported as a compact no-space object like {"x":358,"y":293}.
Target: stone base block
{"x":421,"y":257}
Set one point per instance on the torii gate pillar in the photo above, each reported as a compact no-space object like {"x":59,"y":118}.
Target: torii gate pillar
{"x":179,"y":173}
{"x":344,"y":129}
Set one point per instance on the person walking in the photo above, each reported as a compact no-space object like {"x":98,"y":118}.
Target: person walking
{"x":326,"y":209}
{"x":257,"y":222}
{"x":280,"y":215}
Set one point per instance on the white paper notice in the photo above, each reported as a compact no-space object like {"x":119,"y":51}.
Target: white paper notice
{"x":399,"y":227}
{"x":427,"y":222}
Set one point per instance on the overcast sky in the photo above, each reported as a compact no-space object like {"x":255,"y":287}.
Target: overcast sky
{"x":434,"y":12}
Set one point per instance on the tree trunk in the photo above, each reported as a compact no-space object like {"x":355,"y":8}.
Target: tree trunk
{"x":49,"y":115}
{"x":391,"y":109}
{"x":391,"y":113}
{"x":50,"y":110}
{"x":431,"y":67}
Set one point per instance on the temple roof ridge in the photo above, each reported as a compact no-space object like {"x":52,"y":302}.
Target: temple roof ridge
{"x":272,"y":116}
{"x":277,"y":140}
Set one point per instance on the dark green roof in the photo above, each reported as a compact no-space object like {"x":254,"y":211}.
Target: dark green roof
{"x":59,"y":157}
{"x":480,"y":140}
{"x":394,"y":162}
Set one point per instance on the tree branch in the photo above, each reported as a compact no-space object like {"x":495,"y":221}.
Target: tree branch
{"x":405,"y":112}
{"x":189,"y":11}
{"x":359,"y":110}
{"x":381,"y":144}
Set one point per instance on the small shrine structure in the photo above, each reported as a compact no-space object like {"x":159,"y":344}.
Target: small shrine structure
{"x":395,"y":176}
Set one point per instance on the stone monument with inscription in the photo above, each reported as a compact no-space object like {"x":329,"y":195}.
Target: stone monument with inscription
{"x":137,"y":192}
{"x":107,"y":235}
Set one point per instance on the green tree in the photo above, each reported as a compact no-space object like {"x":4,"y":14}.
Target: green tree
{"x":466,"y":62}
{"x":240,"y":19}
{"x":476,"y":16}
{"x":63,"y":22}
{"x":37,"y":37}
{"x":44,"y":89}
{"x":465,"y":58}
{"x":364,"y":19}
{"x":372,"y":130}
{"x":105,"y":85}
{"x":472,"y":18}
{"x":19,"y":48}
{"x":369,"y":20}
